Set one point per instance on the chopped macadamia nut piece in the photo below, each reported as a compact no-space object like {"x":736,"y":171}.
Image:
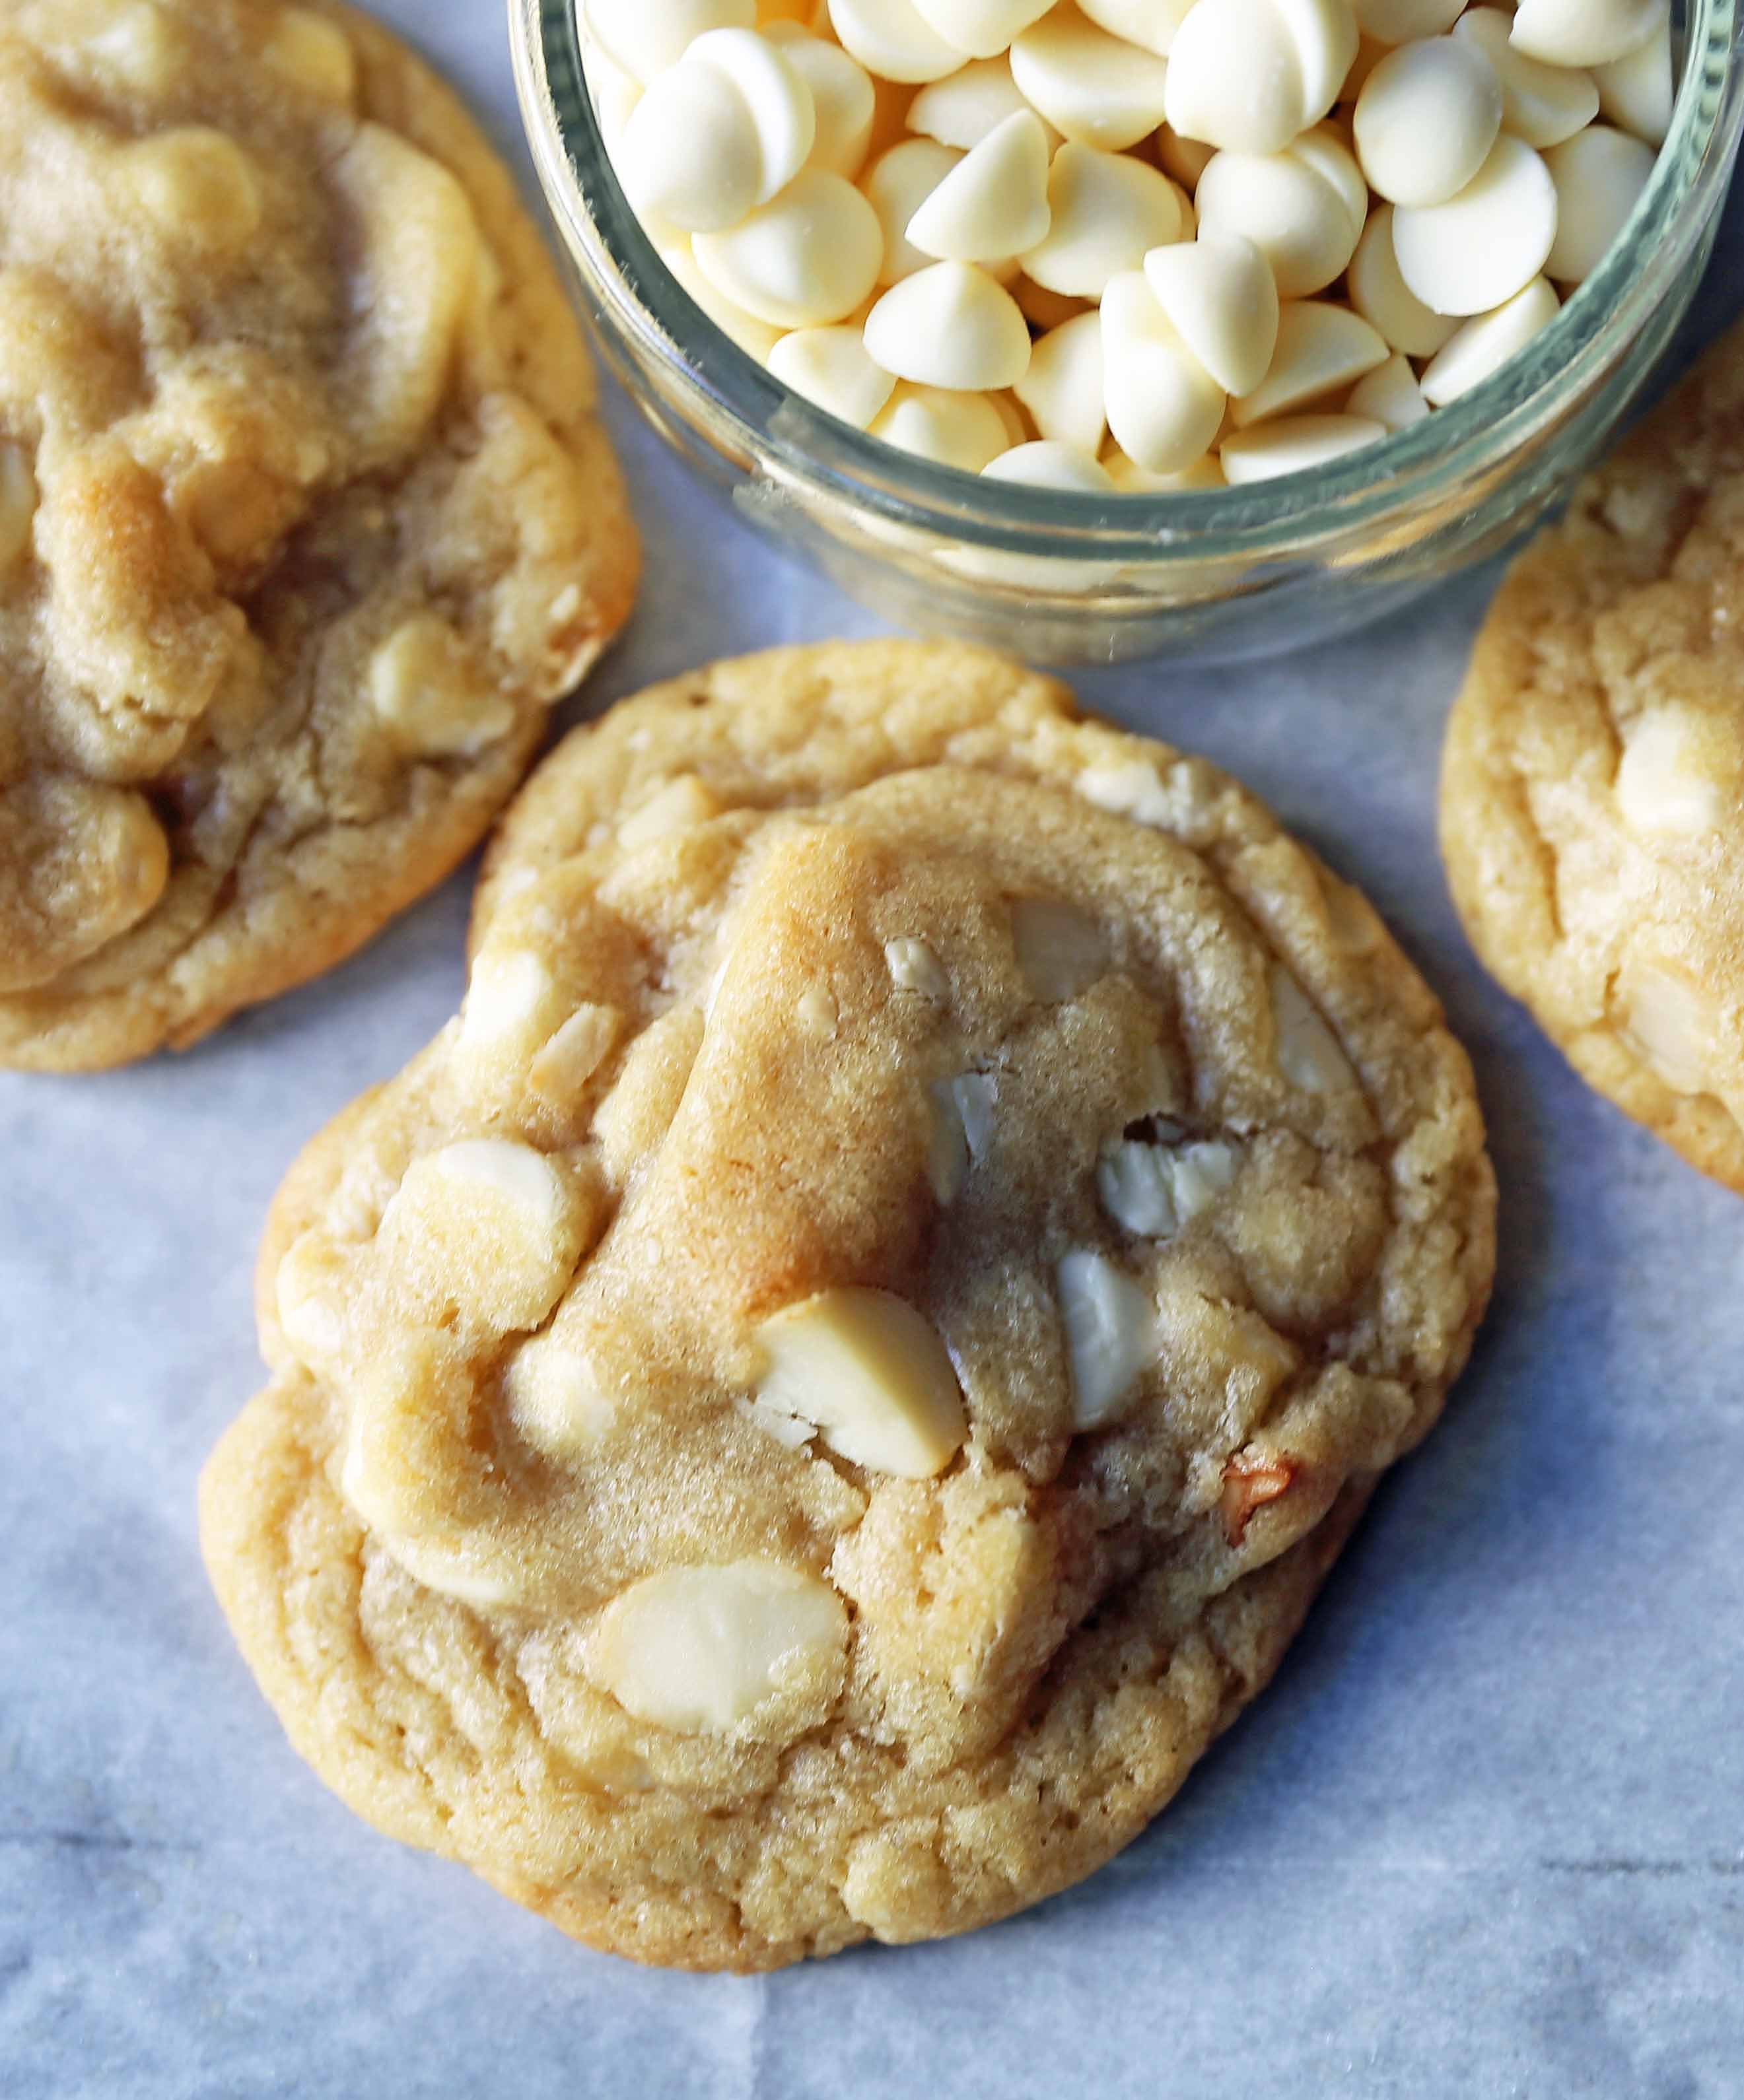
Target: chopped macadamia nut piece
{"x":1155,"y":1191}
{"x":424,"y":691}
{"x":1309,"y":1055}
{"x":675,"y":807}
{"x":699,"y":1648}
{"x":1060,"y":950}
{"x":915,"y":967}
{"x":1667,"y":783}
{"x":565,"y":1063}
{"x":1672,"y":1026}
{"x":1110,"y":1333}
{"x":872,"y":1374}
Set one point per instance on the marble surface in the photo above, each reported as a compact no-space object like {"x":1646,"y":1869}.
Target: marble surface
{"x":1485,"y":1836}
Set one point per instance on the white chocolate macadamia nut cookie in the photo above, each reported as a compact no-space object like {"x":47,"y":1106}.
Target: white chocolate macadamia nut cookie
{"x":1435,"y":169}
{"x":802,"y":1412}
{"x":305,"y":517}
{"x":1592,"y":790}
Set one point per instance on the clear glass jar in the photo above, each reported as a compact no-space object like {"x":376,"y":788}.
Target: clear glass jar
{"x":1224,"y":573}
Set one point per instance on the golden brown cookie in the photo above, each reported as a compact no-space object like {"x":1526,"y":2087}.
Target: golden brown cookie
{"x":1593,"y":789}
{"x":803,"y":1412}
{"x":305,"y":517}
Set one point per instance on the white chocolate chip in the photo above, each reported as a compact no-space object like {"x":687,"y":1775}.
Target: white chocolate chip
{"x":1584,"y":32}
{"x":1106,"y":212}
{"x":308,"y":1298}
{"x":701,"y":1648}
{"x":808,"y":256}
{"x":1093,"y":88}
{"x":872,"y":1374}
{"x":1128,"y":789}
{"x":1152,"y":25}
{"x":1382,"y":298}
{"x":896,"y":186}
{"x":505,"y":995}
{"x":982,"y":29}
{"x":1061,"y":950}
{"x":1599,"y":174}
{"x":1486,"y":242}
{"x":554,"y":1398}
{"x":949,"y":326}
{"x":755,"y":338}
{"x":1321,"y":349}
{"x":311,"y":51}
{"x":962,"y":431}
{"x":490,"y":1222}
{"x":1543,"y":105}
{"x":1294,"y":444}
{"x":1163,"y":407}
{"x":1426,"y":120}
{"x":1062,"y":389}
{"x":645,"y":39}
{"x":1389,"y":395}
{"x":1154,"y":1191}
{"x":562,"y":1066}
{"x":891,"y":39}
{"x":1634,"y":91}
{"x":915,"y":967}
{"x":1310,"y":1055}
{"x":830,"y":367}
{"x":1295,"y":206}
{"x":675,"y":807}
{"x":1669,"y":1024}
{"x":1220,"y":294}
{"x":961,"y":109}
{"x":423,"y":687}
{"x":1111,"y":1334}
{"x":1664,"y":789}
{"x":994,"y":203}
{"x":717,"y":133}
{"x":1251,"y":75}
{"x":1485,"y":343}
{"x":843,"y":99}
{"x":18,"y":503}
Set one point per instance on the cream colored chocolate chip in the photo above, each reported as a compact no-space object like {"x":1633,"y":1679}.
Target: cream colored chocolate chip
{"x":451,"y":1572}
{"x":830,"y":367}
{"x":489,"y":1223}
{"x":1389,"y":395}
{"x":896,"y":186}
{"x":806,"y":258}
{"x":962,"y":431}
{"x":1106,"y":211}
{"x":892,"y":39}
{"x":1220,"y":292}
{"x":308,"y":1293}
{"x":843,"y":99}
{"x":1584,"y":32}
{"x":1165,"y":409}
{"x":645,"y":40}
{"x":1061,"y":950}
{"x":1426,"y":120}
{"x":197,"y":185}
{"x":1599,"y":175}
{"x":983,"y":29}
{"x":1636,"y":90}
{"x":1670,"y":1023}
{"x":872,"y":1374}
{"x":1541,"y":103}
{"x":915,"y":967}
{"x":1130,"y":788}
{"x":1320,"y":348}
{"x":313,"y":53}
{"x":1110,"y":1333}
{"x":1095,"y":89}
{"x":1251,"y":75}
{"x":1152,"y":25}
{"x":702,"y":1648}
{"x":1309,"y":1053}
{"x":1384,"y":298}
{"x":756,"y":338}
{"x":1665,"y":786}
{"x":994,"y":202}
{"x":1062,"y":389}
{"x":1486,"y":241}
{"x":562,"y":1066}
{"x":964,"y":108}
{"x":1397,"y":21}
{"x":18,"y":503}
{"x":424,"y":688}
{"x":1485,"y":342}
{"x":950,"y":326}
{"x":674,"y":807}
{"x":1155,"y":1191}
{"x":637,"y":1114}
{"x":505,"y":995}
{"x":1304,"y":208}
{"x":1293,"y":444}
{"x":554,"y":1399}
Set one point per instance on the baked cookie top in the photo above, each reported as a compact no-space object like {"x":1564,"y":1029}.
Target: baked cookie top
{"x":1592,"y":791}
{"x":304,"y":515}
{"x":803,"y":1411}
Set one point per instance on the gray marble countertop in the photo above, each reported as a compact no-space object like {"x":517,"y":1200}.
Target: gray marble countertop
{"x":1484,"y":1835}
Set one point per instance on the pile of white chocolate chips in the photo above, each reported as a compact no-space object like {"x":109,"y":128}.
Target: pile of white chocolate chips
{"x":1130,"y":245}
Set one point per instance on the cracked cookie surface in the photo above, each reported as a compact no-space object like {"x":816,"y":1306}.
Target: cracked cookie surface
{"x":801,"y":1413}
{"x":1593,"y":789}
{"x":305,"y":517}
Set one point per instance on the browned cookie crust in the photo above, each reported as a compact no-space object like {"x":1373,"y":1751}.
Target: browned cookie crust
{"x":305,"y":517}
{"x":1593,"y":789}
{"x":803,"y":1412}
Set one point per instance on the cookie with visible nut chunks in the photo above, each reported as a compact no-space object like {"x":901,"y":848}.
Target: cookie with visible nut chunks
{"x":804,"y":1410}
{"x":305,"y":517}
{"x":1592,"y":787}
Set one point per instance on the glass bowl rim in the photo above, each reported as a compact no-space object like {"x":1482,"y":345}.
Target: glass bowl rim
{"x":794,"y":440}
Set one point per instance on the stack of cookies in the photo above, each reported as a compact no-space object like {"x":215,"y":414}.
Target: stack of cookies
{"x":803,"y":1412}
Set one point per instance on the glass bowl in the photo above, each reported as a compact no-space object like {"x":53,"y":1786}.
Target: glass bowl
{"x":1064,"y":578}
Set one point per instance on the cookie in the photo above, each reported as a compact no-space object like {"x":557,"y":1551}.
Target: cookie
{"x":305,"y":515}
{"x":1593,"y":789}
{"x":803,"y":1412}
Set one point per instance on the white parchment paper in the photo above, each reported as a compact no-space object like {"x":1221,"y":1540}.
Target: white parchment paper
{"x":1484,"y":1835}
